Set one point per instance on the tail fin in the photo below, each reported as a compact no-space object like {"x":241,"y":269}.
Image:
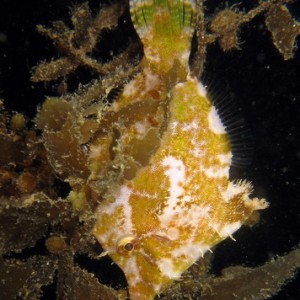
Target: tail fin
{"x":163,"y":16}
{"x":165,"y":27}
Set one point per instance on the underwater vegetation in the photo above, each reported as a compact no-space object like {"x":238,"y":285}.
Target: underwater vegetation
{"x":127,"y":144}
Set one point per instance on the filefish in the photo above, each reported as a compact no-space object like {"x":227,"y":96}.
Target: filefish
{"x":182,"y":203}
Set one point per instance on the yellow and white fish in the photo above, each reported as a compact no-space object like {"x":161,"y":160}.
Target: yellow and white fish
{"x":182,"y":203}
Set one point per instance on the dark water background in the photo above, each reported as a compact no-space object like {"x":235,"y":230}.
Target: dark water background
{"x":265,"y":87}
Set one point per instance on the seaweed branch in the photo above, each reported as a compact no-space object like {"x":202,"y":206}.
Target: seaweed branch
{"x":225,"y":28}
{"x":77,"y":44}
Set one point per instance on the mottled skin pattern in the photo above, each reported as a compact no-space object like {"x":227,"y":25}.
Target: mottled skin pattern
{"x":166,"y":38}
{"x":182,"y":203}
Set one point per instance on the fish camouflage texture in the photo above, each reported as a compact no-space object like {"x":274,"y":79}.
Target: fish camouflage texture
{"x":181,"y":203}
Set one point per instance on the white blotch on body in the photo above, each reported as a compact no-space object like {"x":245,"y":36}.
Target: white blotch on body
{"x":152,"y":81}
{"x":214,"y":122}
{"x":152,"y":55}
{"x":198,"y":149}
{"x":122,"y":226}
{"x":166,"y":267}
{"x":173,"y":233}
{"x":216,"y":171}
{"x":130,"y":88}
{"x":175,"y":171}
{"x":173,"y":127}
{"x":121,"y":196}
{"x":185,"y":57}
{"x":193,"y":214}
{"x":193,"y":126}
{"x":201,"y":89}
{"x":225,"y":158}
{"x":95,"y":151}
{"x":141,"y":127}
{"x":132,"y":271}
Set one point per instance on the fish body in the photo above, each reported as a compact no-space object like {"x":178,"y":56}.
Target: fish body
{"x":181,"y":203}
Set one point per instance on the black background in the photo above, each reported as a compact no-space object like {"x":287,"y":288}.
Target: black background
{"x":265,"y":87}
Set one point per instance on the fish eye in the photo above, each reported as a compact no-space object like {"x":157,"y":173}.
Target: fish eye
{"x":126,"y":245}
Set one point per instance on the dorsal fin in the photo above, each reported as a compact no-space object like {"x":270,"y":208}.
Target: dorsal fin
{"x":240,"y":135}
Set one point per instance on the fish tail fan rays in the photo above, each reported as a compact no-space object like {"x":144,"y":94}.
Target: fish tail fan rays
{"x":166,"y":16}
{"x":165,"y":28}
